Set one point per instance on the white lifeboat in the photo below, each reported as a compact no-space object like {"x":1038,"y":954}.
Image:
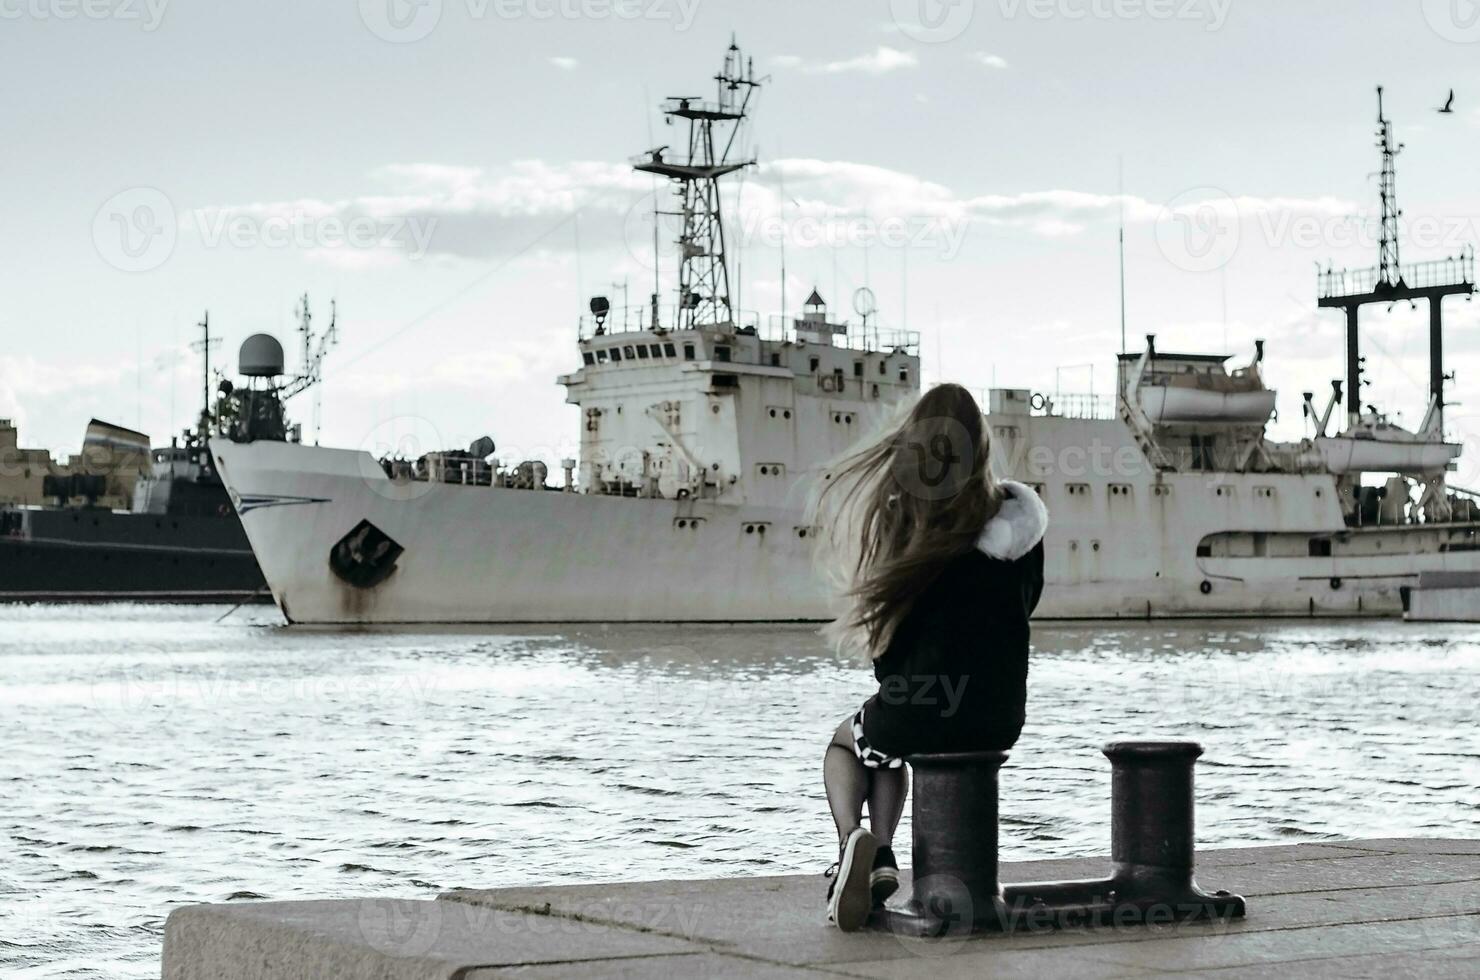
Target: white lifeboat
{"x":1164,"y":404}
{"x":1380,"y":447}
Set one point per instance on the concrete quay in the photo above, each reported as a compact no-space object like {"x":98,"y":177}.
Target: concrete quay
{"x":1388,"y":908}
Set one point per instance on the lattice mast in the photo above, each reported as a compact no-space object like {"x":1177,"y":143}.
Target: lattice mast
{"x":713,"y":130}
{"x":1389,"y":282}
{"x":1390,"y":271}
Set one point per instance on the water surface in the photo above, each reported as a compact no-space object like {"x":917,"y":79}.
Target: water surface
{"x":155,"y":757}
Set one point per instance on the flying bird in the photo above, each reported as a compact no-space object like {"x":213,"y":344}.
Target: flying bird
{"x":1449,"y":105}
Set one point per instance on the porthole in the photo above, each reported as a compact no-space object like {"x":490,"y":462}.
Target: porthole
{"x":1206,"y":587}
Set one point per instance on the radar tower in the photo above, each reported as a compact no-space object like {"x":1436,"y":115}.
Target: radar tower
{"x":713,"y":129}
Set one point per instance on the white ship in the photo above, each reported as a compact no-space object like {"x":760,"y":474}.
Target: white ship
{"x":701,"y":428}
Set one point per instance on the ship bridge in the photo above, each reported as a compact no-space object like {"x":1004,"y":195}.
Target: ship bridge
{"x":735,"y":411}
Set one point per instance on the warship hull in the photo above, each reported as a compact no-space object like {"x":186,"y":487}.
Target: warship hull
{"x":95,"y":555}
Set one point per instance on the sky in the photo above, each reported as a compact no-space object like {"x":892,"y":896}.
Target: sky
{"x":455,"y":176}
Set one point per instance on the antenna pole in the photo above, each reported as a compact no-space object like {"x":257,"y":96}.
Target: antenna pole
{"x":205,"y":379}
{"x":1120,"y":195}
{"x":781,"y":176}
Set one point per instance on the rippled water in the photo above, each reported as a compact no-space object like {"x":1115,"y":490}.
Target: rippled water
{"x":154,"y":757}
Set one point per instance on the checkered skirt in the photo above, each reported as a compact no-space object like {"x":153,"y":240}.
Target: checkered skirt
{"x":867,"y":754}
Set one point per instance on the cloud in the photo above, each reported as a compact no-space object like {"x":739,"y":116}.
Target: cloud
{"x":882,"y":60}
{"x":990,"y":60}
{"x":565,"y":63}
{"x":476,"y":213}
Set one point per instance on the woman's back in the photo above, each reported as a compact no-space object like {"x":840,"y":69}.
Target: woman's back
{"x":954,"y":676}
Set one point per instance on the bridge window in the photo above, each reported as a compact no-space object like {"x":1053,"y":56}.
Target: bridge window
{"x":631,"y":354}
{"x":642,"y":352}
{"x":1320,"y":547}
{"x":688,"y":352}
{"x":616,"y":355}
{"x":857,"y":369}
{"x":904,"y":375}
{"x":588,"y":357}
{"x":775,"y":358}
{"x":816,"y":363}
{"x":601,"y":356}
{"x":721,"y":352}
{"x":669,"y":351}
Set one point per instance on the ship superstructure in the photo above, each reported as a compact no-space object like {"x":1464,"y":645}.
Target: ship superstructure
{"x":701,"y":428}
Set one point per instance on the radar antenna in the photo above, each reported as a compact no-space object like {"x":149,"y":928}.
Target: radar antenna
{"x":713,"y":128}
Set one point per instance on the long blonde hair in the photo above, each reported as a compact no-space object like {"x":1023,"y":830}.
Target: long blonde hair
{"x":898,"y":508}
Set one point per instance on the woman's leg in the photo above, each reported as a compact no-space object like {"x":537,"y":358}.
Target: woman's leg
{"x":886,"y":794}
{"x":846,"y":780}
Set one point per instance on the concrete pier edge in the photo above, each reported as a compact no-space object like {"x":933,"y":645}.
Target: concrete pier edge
{"x":1337,"y":908}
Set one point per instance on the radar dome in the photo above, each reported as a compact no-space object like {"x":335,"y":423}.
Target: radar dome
{"x":261,"y":356}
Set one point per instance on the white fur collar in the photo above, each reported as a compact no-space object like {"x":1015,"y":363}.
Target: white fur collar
{"x":1018,"y":525}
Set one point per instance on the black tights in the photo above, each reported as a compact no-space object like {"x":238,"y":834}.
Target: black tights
{"x":850,"y":784}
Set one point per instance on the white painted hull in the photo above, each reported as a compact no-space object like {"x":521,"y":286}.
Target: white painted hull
{"x":477,"y":554}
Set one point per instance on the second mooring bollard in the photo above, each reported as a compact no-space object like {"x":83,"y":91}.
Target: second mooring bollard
{"x":1152,"y":835}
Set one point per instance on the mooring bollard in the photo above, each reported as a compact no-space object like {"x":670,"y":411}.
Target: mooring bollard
{"x":956,"y":885}
{"x":954,"y":820}
{"x":1151,"y":832}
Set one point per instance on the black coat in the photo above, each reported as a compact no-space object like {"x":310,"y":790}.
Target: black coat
{"x":955,"y":675}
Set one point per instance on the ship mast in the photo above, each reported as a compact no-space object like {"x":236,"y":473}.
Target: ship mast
{"x":1390,"y":282}
{"x":204,"y":345}
{"x":713,"y":128}
{"x":1390,"y":270}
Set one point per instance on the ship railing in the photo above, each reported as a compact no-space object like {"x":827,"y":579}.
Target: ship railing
{"x":1455,"y":270}
{"x":665,"y":319}
{"x":1072,"y":405}
{"x":869,"y":338}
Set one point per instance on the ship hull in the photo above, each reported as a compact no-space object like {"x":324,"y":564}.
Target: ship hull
{"x":491,"y":555}
{"x":84,"y":555}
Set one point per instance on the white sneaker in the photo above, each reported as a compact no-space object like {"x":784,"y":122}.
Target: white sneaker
{"x":849,"y":898}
